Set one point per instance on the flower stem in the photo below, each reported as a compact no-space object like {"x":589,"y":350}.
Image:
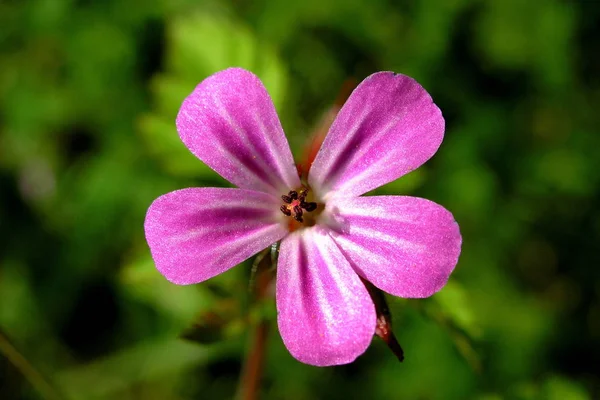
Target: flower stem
{"x":249,"y":386}
{"x":263,"y":272}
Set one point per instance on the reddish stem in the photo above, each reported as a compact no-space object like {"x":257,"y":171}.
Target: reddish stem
{"x":249,"y":386}
{"x":254,"y":363}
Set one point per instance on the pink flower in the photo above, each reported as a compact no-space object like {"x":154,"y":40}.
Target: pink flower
{"x":330,"y":234}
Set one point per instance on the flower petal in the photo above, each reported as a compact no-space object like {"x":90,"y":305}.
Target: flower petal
{"x":388,"y":127}
{"x":325,"y":314}
{"x":406,"y":246}
{"x":197,"y":233}
{"x":230,"y":123}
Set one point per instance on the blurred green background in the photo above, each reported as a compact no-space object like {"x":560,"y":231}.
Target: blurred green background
{"x":89,"y":91}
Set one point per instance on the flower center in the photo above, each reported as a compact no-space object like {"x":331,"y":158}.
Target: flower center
{"x":298,"y":206}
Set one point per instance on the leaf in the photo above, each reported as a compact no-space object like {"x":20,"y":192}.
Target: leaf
{"x":164,"y":144}
{"x":223,"y":321}
{"x":554,"y":387}
{"x":454,"y":304}
{"x":559,"y":388}
{"x":450,"y":308}
{"x":140,"y":279}
{"x":123,"y":369}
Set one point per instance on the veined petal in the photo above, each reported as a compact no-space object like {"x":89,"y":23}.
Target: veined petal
{"x":406,"y":246}
{"x":197,"y":233}
{"x":388,"y":127}
{"x":325,"y":314}
{"x":230,"y":123}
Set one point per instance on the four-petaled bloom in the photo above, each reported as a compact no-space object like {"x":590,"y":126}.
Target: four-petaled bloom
{"x":330,"y":237}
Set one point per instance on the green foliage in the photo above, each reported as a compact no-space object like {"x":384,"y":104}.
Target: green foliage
{"x":224,"y":44}
{"x":89,"y":93}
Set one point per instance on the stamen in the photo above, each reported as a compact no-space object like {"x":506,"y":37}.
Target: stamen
{"x":287,"y":199}
{"x":285,"y":210}
{"x":298,"y":210}
{"x":312,"y":206}
{"x":296,"y":205}
{"x":302,"y":194}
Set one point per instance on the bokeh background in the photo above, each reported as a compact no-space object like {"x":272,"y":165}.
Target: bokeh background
{"x":88,"y":95}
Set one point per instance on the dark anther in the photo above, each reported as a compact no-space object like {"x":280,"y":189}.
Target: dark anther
{"x":309,"y":206}
{"x":302,"y":194}
{"x":298,"y":210}
{"x":285,"y":210}
{"x":296,"y":204}
{"x":286,"y":199}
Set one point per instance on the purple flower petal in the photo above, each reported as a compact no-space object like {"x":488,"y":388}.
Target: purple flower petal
{"x":388,"y":127}
{"x":406,"y":246}
{"x":197,"y":233}
{"x":325,"y":314}
{"x":230,"y":123}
